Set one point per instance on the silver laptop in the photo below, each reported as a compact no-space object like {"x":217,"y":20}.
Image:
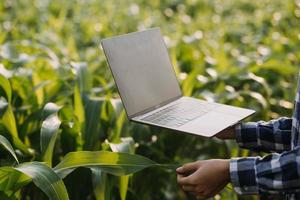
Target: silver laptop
{"x":150,"y":92}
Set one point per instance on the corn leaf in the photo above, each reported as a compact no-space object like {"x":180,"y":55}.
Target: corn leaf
{"x":83,"y":76}
{"x":78,"y":106}
{"x":100,"y":183}
{"x":12,"y":180}
{"x":87,"y":109}
{"x":8,"y":118}
{"x":5,"y":85}
{"x":45,"y":179}
{"x":126,"y":146}
{"x":49,"y":131}
{"x":119,"y":164}
{"x":6,"y":144}
{"x":91,"y":132}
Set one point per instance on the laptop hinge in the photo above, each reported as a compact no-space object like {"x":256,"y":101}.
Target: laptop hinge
{"x":155,"y":107}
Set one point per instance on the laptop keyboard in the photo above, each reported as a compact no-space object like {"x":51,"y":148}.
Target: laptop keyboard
{"x":179,"y":114}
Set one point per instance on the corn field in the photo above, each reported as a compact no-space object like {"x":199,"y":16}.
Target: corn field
{"x":64,"y":133}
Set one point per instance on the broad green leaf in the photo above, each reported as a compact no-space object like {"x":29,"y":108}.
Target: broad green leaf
{"x":10,"y":52}
{"x":257,"y":96}
{"x":3,"y":106}
{"x":49,"y":131}
{"x":277,"y":66}
{"x":5,"y":85}
{"x":189,"y":83}
{"x":91,"y":134}
{"x":83,"y":76}
{"x":99,"y":183}
{"x":12,"y":180}
{"x":87,"y":109}
{"x":117,"y":105}
{"x":123,"y":186}
{"x":116,"y":116}
{"x":39,"y":87}
{"x":9,"y":122}
{"x":125,"y":146}
{"x":118,"y":164}
{"x":78,"y":106}
{"x":6,"y":144}
{"x":45,"y":179}
{"x":8,"y":118}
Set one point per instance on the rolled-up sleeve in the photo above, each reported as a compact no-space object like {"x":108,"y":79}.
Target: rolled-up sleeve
{"x":274,"y":135}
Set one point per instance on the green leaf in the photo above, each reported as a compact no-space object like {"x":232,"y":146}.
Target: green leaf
{"x":5,"y":85}
{"x":78,"y":106}
{"x":189,"y":83}
{"x":39,"y":87}
{"x":9,"y":122}
{"x":91,"y":134}
{"x":83,"y":76}
{"x":6,"y":144}
{"x":8,"y":118}
{"x":99,"y":183}
{"x":45,"y":179}
{"x":277,"y":66}
{"x":3,"y":105}
{"x":49,"y":131}
{"x":12,"y":180}
{"x":117,"y":105}
{"x":10,"y":52}
{"x":87,"y":109}
{"x":118,"y":164}
{"x":123,"y":186}
{"x":126,"y":146}
{"x":117,"y":116}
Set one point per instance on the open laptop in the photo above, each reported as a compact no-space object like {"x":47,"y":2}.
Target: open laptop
{"x":150,"y":92}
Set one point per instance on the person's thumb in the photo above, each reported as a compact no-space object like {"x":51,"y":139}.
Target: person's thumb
{"x":188,"y":168}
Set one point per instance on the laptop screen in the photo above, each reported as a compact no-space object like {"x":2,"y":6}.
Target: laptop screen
{"x":142,"y":70}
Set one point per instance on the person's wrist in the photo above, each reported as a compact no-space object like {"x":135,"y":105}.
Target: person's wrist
{"x":227,"y":134}
{"x":226,"y":169}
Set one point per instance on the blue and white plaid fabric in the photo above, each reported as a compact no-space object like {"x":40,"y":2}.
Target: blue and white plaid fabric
{"x":277,"y":173}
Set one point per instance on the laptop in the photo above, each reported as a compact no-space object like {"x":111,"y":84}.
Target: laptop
{"x":150,"y":92}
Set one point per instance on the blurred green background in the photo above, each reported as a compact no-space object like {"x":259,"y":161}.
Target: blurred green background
{"x":238,"y":52}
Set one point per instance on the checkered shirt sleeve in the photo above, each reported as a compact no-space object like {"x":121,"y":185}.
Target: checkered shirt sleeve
{"x":273,"y":174}
{"x":256,"y":175}
{"x":269,"y":136}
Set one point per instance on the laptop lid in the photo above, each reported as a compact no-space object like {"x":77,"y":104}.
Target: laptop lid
{"x":142,"y":70}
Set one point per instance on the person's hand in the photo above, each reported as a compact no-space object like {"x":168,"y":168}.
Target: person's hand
{"x":226,"y":134}
{"x":204,"y":179}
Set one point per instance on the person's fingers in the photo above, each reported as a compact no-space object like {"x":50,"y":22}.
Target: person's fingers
{"x":189,"y":180}
{"x":192,"y":179}
{"x":189,"y":188}
{"x":188,"y":168}
{"x":184,"y":181}
{"x":179,"y":176}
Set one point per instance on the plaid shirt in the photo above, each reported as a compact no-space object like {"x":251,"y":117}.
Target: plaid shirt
{"x":277,"y":173}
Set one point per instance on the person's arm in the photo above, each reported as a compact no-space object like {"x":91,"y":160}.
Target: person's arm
{"x":274,"y":135}
{"x":273,"y":174}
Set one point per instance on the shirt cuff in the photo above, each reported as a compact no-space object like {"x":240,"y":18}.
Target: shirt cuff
{"x":246,"y":135}
{"x":243,"y":175}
